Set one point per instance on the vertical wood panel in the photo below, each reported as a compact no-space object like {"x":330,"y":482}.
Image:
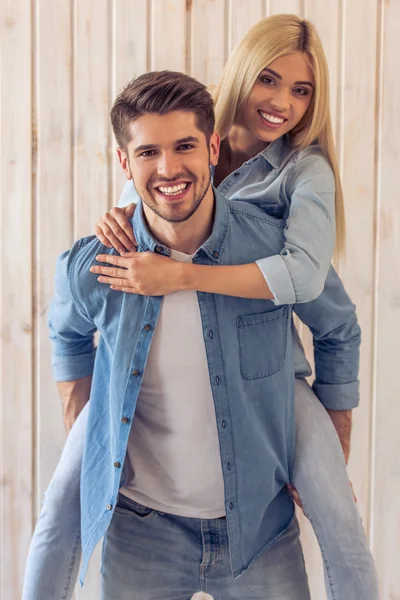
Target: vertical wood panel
{"x":54,"y":214}
{"x":16,"y":482}
{"x":92,"y":141}
{"x":130,"y":58}
{"x":386,"y":512}
{"x":284,"y":6}
{"x":358,"y":166}
{"x":208,"y":32}
{"x":169,"y":36}
{"x":243,"y":15}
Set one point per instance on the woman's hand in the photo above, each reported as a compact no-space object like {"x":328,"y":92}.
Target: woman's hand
{"x":114,"y":230}
{"x":144,"y":273}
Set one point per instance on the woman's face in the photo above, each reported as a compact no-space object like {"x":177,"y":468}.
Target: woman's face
{"x":279,"y":98}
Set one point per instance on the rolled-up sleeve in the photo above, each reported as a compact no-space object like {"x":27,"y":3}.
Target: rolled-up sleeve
{"x":298,"y":273}
{"x":333,"y":322}
{"x":71,"y":329}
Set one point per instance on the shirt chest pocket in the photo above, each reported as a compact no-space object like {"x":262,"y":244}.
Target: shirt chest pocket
{"x":262,"y":343}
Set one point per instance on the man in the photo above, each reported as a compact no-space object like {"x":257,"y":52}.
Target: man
{"x":190,"y":432}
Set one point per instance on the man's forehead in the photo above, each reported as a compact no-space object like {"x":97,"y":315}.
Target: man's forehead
{"x":152,"y":128}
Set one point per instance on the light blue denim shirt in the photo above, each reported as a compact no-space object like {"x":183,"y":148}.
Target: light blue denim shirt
{"x":298,"y":187}
{"x":250,"y":360}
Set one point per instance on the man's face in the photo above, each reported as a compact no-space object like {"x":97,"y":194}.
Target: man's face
{"x":169,"y":160}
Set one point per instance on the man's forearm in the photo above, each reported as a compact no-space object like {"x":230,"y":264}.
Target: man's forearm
{"x":74,"y":395}
{"x":342,"y":420}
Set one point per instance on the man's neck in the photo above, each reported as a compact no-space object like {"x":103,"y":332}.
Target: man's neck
{"x":186,"y":236}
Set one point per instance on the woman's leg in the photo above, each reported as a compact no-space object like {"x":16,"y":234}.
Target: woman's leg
{"x":320,"y":477}
{"x":55,"y":550}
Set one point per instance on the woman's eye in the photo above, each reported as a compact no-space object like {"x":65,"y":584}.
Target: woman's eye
{"x":267,"y":80}
{"x":301,"y":91}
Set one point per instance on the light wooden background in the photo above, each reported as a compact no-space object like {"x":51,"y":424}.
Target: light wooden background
{"x":62,"y":64}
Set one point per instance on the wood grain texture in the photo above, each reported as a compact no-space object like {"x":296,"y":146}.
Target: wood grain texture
{"x":385,"y":512}
{"x":62,"y":64}
{"x":17,"y":161}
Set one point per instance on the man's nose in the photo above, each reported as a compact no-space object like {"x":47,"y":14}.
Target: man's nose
{"x":168,"y":166}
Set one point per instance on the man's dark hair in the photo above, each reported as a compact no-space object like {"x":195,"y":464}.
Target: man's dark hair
{"x":161,"y":92}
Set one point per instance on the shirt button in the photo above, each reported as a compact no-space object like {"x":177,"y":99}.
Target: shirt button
{"x":135,"y":372}
{"x":109,"y":507}
{"x":228,"y":466}
{"x":215,"y":254}
{"x":230,"y":505}
{"x":237,"y":174}
{"x":210,"y":334}
{"x":124,"y":420}
{"x":147,"y":327}
{"x":223,"y":424}
{"x":160,"y":249}
{"x":217,"y":380}
{"x":117,"y":465}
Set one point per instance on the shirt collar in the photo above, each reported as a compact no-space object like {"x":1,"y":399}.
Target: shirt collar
{"x":277,"y":152}
{"x":213,"y":246}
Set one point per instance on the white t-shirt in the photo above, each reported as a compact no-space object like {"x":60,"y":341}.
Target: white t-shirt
{"x":173,"y":460}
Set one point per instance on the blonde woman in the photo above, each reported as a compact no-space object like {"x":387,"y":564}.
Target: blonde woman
{"x":272,"y":113}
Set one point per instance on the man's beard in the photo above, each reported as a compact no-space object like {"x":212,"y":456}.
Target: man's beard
{"x":168,"y":214}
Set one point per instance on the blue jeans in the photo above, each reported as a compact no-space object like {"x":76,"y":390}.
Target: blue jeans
{"x":149,"y":555}
{"x":319,"y":475}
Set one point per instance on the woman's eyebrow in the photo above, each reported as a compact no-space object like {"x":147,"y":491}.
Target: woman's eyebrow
{"x":275,"y":74}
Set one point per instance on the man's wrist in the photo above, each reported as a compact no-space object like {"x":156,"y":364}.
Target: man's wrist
{"x":342,"y":421}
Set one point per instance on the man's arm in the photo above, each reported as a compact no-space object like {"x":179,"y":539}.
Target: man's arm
{"x":74,"y":395}
{"x":333,"y":322}
{"x":71,"y":335}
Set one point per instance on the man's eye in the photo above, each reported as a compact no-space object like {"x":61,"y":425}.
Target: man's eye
{"x":147,"y":153}
{"x":185,"y":147}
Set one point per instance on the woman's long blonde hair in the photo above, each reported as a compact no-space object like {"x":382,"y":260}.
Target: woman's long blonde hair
{"x":265,"y":42}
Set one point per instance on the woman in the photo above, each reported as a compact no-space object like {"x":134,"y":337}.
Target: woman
{"x":271,"y":107}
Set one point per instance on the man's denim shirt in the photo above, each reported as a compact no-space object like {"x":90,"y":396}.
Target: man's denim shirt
{"x":250,"y":360}
{"x":297,"y":186}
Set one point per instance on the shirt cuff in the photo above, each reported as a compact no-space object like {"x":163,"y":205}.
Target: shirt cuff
{"x":340,"y":396}
{"x":70,"y":368}
{"x":277,"y":276}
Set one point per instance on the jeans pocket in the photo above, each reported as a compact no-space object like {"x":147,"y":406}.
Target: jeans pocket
{"x":262,"y":342}
{"x":128,"y":506}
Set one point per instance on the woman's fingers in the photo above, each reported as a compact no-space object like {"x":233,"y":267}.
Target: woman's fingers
{"x":122,"y":216}
{"x":114,"y":230}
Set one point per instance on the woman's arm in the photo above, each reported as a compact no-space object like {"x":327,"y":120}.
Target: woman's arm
{"x":295,"y":275}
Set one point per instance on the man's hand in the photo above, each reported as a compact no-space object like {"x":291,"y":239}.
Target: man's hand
{"x":342,"y":420}
{"x":74,"y":395}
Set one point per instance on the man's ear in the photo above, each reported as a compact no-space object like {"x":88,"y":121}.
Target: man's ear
{"x":123,"y":160}
{"x":215,"y":142}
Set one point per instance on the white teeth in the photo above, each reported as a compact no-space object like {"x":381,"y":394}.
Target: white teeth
{"x":173,"y":190}
{"x":271,"y":118}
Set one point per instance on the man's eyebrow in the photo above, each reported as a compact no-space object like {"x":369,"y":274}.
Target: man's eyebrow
{"x":185,"y":140}
{"x":275,"y":74}
{"x":189,"y":138}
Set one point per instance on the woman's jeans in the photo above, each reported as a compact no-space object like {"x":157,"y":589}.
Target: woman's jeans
{"x":319,"y":476}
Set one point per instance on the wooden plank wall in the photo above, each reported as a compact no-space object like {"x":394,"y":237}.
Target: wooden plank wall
{"x":62,"y":62}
